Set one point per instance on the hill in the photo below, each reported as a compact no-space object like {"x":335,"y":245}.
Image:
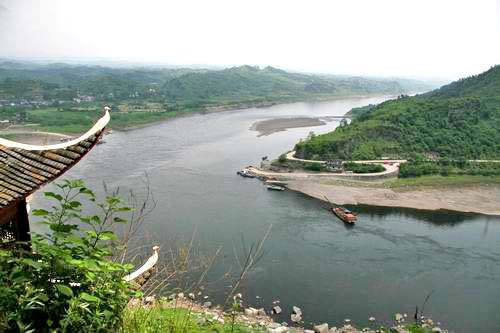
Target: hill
{"x":62,"y":97}
{"x":459,"y":120}
{"x":248,"y":83}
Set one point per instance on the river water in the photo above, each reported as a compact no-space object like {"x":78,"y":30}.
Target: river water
{"x":389,"y":262}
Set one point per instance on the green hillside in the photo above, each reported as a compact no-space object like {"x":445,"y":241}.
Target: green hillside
{"x":459,"y":120}
{"x":248,"y":83}
{"x":66,"y":98}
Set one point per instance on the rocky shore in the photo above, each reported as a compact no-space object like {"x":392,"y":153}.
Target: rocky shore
{"x":261,"y":320}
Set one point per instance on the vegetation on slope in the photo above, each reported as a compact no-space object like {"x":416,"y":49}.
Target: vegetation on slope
{"x":66,"y":95}
{"x":458,"y":121}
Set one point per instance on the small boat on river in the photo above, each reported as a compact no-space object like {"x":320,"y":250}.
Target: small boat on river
{"x":275,"y":188}
{"x":345,"y":214}
{"x":245,"y":173}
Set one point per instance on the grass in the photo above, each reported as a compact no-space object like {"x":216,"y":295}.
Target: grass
{"x":166,"y":319}
{"x":441,"y":181}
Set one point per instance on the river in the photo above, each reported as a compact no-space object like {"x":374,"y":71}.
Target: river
{"x":389,"y":262}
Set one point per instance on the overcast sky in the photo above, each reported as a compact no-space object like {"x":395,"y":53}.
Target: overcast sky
{"x":424,"y":38}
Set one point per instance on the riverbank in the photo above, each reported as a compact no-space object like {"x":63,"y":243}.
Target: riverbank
{"x":180,"y":313}
{"x":480,"y":197}
{"x":73,"y":123}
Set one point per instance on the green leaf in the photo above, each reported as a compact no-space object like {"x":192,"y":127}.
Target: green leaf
{"x":40,"y":212}
{"x":65,"y":290}
{"x":89,"y":298}
{"x":54,"y":195}
{"x":117,"y":219}
{"x":75,"y":204}
{"x":107,"y":235}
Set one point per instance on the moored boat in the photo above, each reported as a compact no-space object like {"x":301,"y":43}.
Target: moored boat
{"x":345,"y":214}
{"x":275,"y":188}
{"x":245,"y":173}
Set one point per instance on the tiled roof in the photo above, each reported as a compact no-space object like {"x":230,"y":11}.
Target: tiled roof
{"x":25,"y":168}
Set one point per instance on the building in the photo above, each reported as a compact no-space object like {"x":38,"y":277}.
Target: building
{"x":26,"y":168}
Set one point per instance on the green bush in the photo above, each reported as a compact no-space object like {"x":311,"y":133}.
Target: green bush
{"x":363,"y":167}
{"x":313,"y":166}
{"x":68,"y":281}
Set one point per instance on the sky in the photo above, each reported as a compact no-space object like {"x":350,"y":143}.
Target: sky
{"x":444,"y":39}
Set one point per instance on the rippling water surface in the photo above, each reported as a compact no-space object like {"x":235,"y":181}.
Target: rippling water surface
{"x":387,"y":263}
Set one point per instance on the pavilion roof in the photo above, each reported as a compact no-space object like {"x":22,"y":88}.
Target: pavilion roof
{"x":25,"y":168}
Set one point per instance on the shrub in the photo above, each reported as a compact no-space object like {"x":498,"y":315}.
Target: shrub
{"x":68,"y":282}
{"x":363,"y":167}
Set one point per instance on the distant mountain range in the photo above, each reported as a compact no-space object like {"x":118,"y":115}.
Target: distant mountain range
{"x":188,"y":86}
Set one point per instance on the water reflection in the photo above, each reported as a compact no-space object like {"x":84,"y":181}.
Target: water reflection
{"x":438,"y":218}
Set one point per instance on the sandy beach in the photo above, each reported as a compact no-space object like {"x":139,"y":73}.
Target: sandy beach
{"x":481,"y":199}
{"x":268,"y":127}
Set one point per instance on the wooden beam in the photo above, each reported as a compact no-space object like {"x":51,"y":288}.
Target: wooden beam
{"x":22,"y":223}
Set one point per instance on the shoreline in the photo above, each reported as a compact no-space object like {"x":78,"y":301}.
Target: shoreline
{"x":477,"y":198}
{"x":209,"y":109}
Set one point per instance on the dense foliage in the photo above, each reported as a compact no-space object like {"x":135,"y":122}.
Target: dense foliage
{"x":461,"y":120}
{"x":67,"y":282}
{"x":363,"y":167}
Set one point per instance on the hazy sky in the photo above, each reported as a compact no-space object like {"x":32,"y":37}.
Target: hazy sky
{"x":426,"y":38}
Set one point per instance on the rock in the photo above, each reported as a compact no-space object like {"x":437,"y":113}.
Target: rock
{"x":279,"y":329}
{"x":134,"y":302}
{"x":295,"y":318}
{"x":436,"y":329}
{"x":180,"y":295}
{"x":273,"y":325}
{"x":366,"y":329}
{"x":257,"y":297}
{"x":205,"y":297}
{"x":149,"y":300}
{"x":207,"y":304}
{"x":297,"y":310}
{"x":261,"y":312}
{"x":347,"y":320}
{"x":322,"y":328}
{"x":277,"y":310}
{"x":371,"y":319}
{"x":308,"y":331}
{"x":398,"y":317}
{"x":284,"y":323}
{"x":191,"y":295}
{"x":333,"y":330}
{"x":251,"y":311}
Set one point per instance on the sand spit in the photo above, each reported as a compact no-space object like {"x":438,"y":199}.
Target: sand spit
{"x":481,"y":199}
{"x":268,"y":127}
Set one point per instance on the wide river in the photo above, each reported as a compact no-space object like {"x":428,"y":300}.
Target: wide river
{"x":389,"y":262}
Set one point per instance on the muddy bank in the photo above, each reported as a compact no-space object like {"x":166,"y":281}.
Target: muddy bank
{"x":476,"y":199}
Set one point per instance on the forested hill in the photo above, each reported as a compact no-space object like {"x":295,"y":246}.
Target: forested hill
{"x":182,"y":86}
{"x":253,"y":83}
{"x":459,"y":120}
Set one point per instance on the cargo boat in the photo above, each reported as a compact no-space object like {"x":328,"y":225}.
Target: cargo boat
{"x":345,"y":215}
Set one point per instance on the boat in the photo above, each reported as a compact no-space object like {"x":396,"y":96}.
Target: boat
{"x":275,"y":188}
{"x":245,"y":173}
{"x":345,"y":214}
